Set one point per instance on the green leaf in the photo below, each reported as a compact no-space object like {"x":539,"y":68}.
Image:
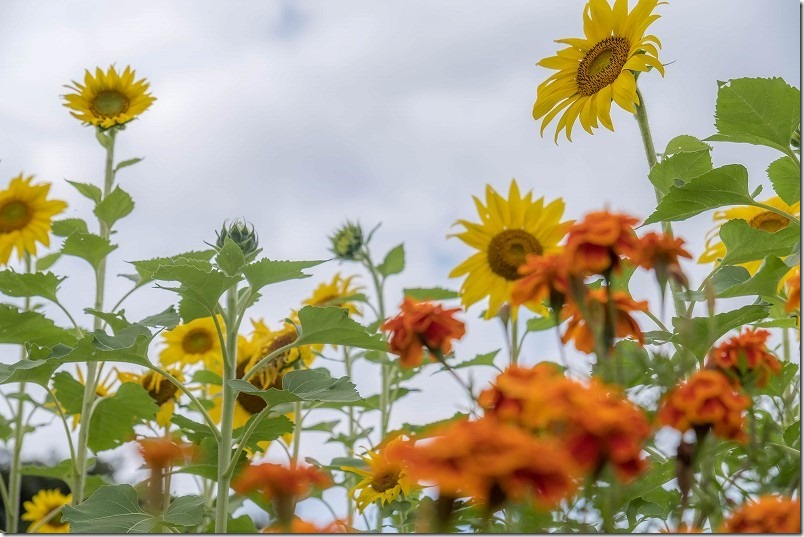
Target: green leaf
{"x":698,"y":334}
{"x":112,"y":509}
{"x":394,"y":261}
{"x":146,"y":268}
{"x":21,"y":327}
{"x":29,"y":284}
{"x":64,"y":471}
{"x":206,"y":376}
{"x":792,"y":435}
{"x":745,"y":243}
{"x":117,"y":320}
{"x":88,"y":190}
{"x":47,"y":261}
{"x":539,"y":324}
{"x":681,"y":168}
{"x":764,"y":283}
{"x":126,"y":163}
{"x":685,"y":143}
{"x":431,"y":293}
{"x":266,"y":272}
{"x":241,"y":524}
{"x":230,"y":259}
{"x":267,"y":430}
{"x":185,"y":511}
{"x":199,"y":285}
{"x":333,"y":326}
{"x":167,"y":319}
{"x":317,"y":385}
{"x":114,"y":207}
{"x":632,"y":365}
{"x":68,"y":226}
{"x":727,"y":185}
{"x":69,"y":392}
{"x":480,"y":359}
{"x":102,"y":138}
{"x":785,"y":175}
{"x":88,"y":246}
{"x":761,"y":111}
{"x":272,"y":396}
{"x":114,"y":417}
{"x":194,"y":431}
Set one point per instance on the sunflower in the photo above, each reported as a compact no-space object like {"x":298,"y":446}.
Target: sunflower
{"x":162,"y":391}
{"x":337,"y":292}
{"x":40,"y":507}
{"x":509,"y":231}
{"x":599,"y":68}
{"x":757,"y":218}
{"x":384,"y":479}
{"x":108,"y":99}
{"x":25,"y":216}
{"x":193,"y":342}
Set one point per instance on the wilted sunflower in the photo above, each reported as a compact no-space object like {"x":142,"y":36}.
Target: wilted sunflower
{"x":384,"y":479}
{"x":757,"y":218}
{"x":337,"y":292}
{"x":193,"y":342}
{"x":109,"y":99}
{"x":599,"y":68}
{"x":41,"y":506}
{"x":25,"y":216}
{"x":508,"y":231}
{"x":162,"y":391}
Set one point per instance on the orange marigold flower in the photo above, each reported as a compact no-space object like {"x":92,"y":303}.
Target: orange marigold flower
{"x":161,"y":453}
{"x":661,"y":253}
{"x":422,"y":325}
{"x":302,"y":526}
{"x":597,"y":425}
{"x":492,"y":462}
{"x":793,"y":284}
{"x":544,"y":277}
{"x":746,"y":356}
{"x":580,"y":328}
{"x":707,"y":400}
{"x":596,"y":244}
{"x":766,"y":514}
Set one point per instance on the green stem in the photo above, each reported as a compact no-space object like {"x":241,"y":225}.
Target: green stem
{"x":650,"y":152}
{"x":347,"y":360}
{"x":385,"y":403}
{"x":82,"y":455}
{"x":514,"y":341}
{"x":297,"y":432}
{"x":243,"y":440}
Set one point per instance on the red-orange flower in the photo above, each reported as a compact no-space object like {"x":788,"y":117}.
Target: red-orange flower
{"x":580,"y":328}
{"x":302,"y":526}
{"x":746,"y":355}
{"x":661,"y":253}
{"x":275,"y":481}
{"x":161,"y":453}
{"x":766,"y":514}
{"x":793,"y":284}
{"x":595,"y":423}
{"x":544,"y":277}
{"x":492,"y":462}
{"x":707,"y":400}
{"x":422,"y":325}
{"x":597,"y":243}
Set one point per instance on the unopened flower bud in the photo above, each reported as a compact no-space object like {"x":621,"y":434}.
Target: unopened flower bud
{"x":347,"y":241}
{"x":243,"y":234}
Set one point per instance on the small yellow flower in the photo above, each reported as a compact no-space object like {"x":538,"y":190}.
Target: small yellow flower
{"x":599,"y":68}
{"x":336,"y":293}
{"x":109,"y":99}
{"x":509,"y":230}
{"x":384,"y":479}
{"x":194,"y":342}
{"x":25,"y":217}
{"x":757,"y":218}
{"x":162,"y":391}
{"x":40,"y":507}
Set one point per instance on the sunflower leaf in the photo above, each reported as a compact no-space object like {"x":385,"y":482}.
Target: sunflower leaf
{"x":727,"y":185}
{"x":230,"y":258}
{"x":21,"y":327}
{"x":69,"y":392}
{"x":148,"y":267}
{"x":785,"y":175}
{"x":685,"y":143}
{"x":745,"y":243}
{"x":698,"y":334}
{"x":394,"y":261}
{"x":114,"y":417}
{"x":199,"y":285}
{"x":88,"y":246}
{"x":68,"y":226}
{"x":267,"y":271}
{"x":88,"y":190}
{"x":267,"y":430}
{"x":318,"y":385}
{"x":761,"y":111}
{"x":764,"y":283}
{"x":185,"y":511}
{"x":112,"y":509}
{"x":127,"y":163}
{"x":47,"y":261}
{"x":332,"y":325}
{"x":680,"y":168}
{"x":113,"y":207}
{"x":431,"y":293}
{"x":29,"y":284}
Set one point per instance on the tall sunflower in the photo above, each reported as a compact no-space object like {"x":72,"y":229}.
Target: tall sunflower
{"x":162,"y":391}
{"x":108,"y":98}
{"x":25,"y":217}
{"x":40,"y":507}
{"x":757,"y":218}
{"x":194,"y":342}
{"x":509,"y":230}
{"x":599,"y":68}
{"x":384,"y":478}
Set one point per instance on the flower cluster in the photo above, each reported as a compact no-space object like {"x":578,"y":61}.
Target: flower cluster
{"x":746,"y":357}
{"x":766,"y":514}
{"x":420,"y":326}
{"x":597,"y":312}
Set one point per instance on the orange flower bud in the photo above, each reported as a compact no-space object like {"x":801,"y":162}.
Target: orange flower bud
{"x":596,"y":244}
{"x":746,"y":355}
{"x":766,"y":514}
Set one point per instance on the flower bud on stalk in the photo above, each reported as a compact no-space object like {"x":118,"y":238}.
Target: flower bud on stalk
{"x":347,"y":241}
{"x":243,"y":234}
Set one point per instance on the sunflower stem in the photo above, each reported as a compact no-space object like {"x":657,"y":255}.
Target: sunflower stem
{"x":350,"y":449}
{"x":227,"y":413}
{"x":650,"y":151}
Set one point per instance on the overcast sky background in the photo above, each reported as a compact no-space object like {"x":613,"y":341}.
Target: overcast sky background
{"x":298,"y":115}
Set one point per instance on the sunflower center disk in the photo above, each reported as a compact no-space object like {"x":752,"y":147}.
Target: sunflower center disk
{"x":768,"y":221}
{"x":507,"y":252}
{"x":602,"y":64}
{"x":385,"y":480}
{"x":197,"y":342}
{"x":14,"y":215}
{"x":160,"y":391}
{"x":109,"y":103}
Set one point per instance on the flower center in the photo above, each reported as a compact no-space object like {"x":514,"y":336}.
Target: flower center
{"x":109,"y":103}
{"x":507,"y":251}
{"x":385,"y":480}
{"x":602,"y":64}
{"x":160,"y":391}
{"x":56,"y":522}
{"x":268,"y":377}
{"x":197,"y":341}
{"x":768,"y":221}
{"x":14,"y":215}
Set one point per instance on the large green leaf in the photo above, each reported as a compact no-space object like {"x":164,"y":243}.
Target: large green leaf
{"x":198,"y":285}
{"x":88,"y":246}
{"x":431,"y":293}
{"x":64,"y":471}
{"x":21,"y":327}
{"x":230,"y":259}
{"x":762,"y":111}
{"x":698,"y":334}
{"x":266,"y":272}
{"x":394,"y":261}
{"x":731,"y":281}
{"x":114,"y":417}
{"x":88,"y":190}
{"x":68,"y":226}
{"x":745,"y":243}
{"x":318,"y":385}
{"x":112,"y":509}
{"x":727,"y":185}
{"x":267,"y":430}
{"x":333,"y":326}
{"x":146,"y":268}
{"x":69,"y":392}
{"x":785,"y":175}
{"x":685,"y":159}
{"x":185,"y":511}
{"x":114,"y":207}
{"x":29,"y":284}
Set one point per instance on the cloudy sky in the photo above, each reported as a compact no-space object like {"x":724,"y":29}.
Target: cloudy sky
{"x":298,"y":115}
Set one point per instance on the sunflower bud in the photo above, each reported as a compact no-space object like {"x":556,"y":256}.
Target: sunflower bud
{"x":243,"y":234}
{"x":347,"y":241}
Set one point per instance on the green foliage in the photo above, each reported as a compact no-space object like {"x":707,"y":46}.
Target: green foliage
{"x":317,"y":385}
{"x":29,"y":284}
{"x":23,"y":327}
{"x":146,"y":269}
{"x":731,"y":281}
{"x":114,"y":417}
{"x":266,"y":272}
{"x":88,"y":190}
{"x":394,"y":261}
{"x":64,"y":471}
{"x":698,"y":334}
{"x":68,"y":226}
{"x":230,"y":258}
{"x":431,"y":293}
{"x":267,"y":430}
{"x":684,"y":159}
{"x":185,"y":511}
{"x":113,"y":207}
{"x":785,"y":175}
{"x":69,"y":392}
{"x":200,"y":286}
{"x":87,"y":246}
{"x":126,"y":163}
{"x":479,"y":360}
{"x":332,"y":326}
{"x":745,"y":243}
